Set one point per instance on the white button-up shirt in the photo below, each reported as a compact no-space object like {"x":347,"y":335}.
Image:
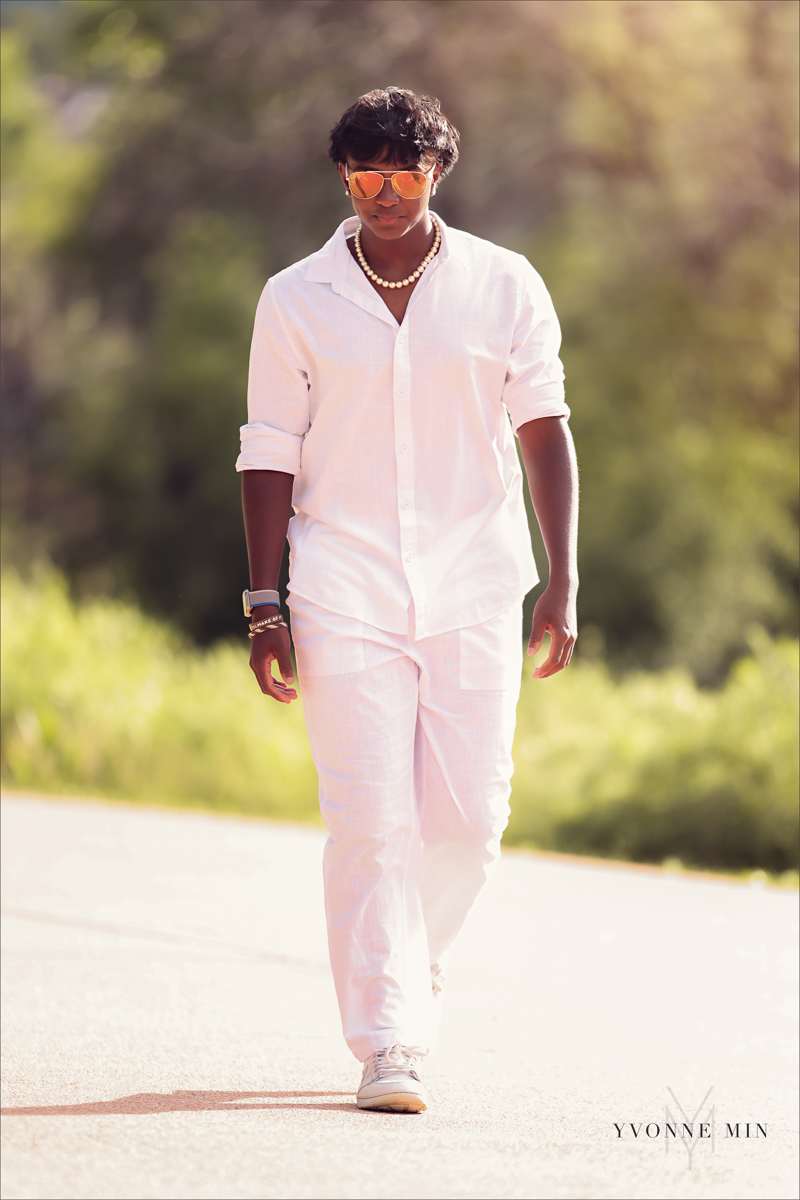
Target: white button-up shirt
{"x":407,"y":481}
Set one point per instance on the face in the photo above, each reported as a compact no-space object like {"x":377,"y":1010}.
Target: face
{"x":388,"y":215}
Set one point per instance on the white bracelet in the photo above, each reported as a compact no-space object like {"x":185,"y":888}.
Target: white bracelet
{"x":277,"y":619}
{"x":263,"y":629}
{"x":275,"y":622}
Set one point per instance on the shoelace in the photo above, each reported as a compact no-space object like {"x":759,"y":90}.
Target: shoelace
{"x":397,"y":1059}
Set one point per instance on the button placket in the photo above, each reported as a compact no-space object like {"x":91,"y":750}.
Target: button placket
{"x":405,"y":475}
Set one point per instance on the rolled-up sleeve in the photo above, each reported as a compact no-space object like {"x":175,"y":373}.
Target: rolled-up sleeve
{"x":534,"y":384}
{"x":277,"y":396}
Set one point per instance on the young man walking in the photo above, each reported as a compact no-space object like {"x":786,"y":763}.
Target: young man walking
{"x":389,"y":372}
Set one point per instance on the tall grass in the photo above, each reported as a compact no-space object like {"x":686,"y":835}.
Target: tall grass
{"x":653,"y":767}
{"x":97,"y":698}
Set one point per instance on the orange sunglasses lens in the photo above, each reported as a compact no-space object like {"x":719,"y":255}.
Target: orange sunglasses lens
{"x":366,"y":184}
{"x":409,"y":184}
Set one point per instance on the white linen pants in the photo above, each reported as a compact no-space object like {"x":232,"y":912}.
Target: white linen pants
{"x":412,"y":745}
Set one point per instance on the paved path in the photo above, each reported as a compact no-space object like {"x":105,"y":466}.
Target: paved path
{"x":171,"y":1028}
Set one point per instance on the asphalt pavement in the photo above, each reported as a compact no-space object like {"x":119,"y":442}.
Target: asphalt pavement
{"x":171,"y":1029}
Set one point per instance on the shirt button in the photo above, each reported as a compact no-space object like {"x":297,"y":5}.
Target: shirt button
{"x":401,"y":392}
{"x":408,"y":558}
{"x":406,"y":504}
{"x":402,"y":449}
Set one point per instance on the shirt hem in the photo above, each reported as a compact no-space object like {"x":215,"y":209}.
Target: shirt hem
{"x":489,"y":614}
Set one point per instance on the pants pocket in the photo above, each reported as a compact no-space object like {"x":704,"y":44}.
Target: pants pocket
{"x":326,"y":643}
{"x":490,"y":654}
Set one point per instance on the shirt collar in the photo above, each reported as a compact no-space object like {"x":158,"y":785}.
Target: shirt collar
{"x":331,"y":263}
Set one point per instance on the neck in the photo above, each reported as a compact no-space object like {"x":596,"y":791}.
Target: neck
{"x":398,"y":255}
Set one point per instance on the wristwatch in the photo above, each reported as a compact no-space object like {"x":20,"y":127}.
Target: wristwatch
{"x":251,"y":599}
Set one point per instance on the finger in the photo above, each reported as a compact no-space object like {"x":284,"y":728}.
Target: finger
{"x":538,"y":630}
{"x":566,"y":652}
{"x":547,"y":671}
{"x":544,"y":669}
{"x":277,"y":690}
{"x":560,"y":662}
{"x":284,"y":657}
{"x":558,"y":639}
{"x":261,"y":666}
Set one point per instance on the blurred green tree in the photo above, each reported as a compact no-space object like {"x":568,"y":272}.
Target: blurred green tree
{"x":159,"y":448}
{"x":641,"y":152}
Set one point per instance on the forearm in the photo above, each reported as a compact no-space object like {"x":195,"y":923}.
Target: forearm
{"x":267,"y":507}
{"x":548,"y":453}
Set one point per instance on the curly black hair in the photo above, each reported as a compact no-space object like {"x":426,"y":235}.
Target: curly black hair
{"x":394,"y":125}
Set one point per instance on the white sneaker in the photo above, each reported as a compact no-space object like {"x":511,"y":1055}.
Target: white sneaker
{"x":390,"y":1081}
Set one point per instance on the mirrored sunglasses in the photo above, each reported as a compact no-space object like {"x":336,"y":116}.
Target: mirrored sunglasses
{"x":410,"y":184}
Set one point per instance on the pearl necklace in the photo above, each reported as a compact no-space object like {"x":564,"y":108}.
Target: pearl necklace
{"x":413,"y":277}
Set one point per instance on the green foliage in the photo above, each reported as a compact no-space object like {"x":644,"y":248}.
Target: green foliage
{"x":643,"y":155}
{"x":47,"y":176}
{"x":98,"y":699}
{"x":653,"y":767}
{"x":160,"y":446}
{"x":688,"y":492}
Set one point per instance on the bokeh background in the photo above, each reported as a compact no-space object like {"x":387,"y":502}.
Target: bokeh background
{"x":161,"y":158}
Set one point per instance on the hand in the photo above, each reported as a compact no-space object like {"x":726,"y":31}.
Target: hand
{"x":272,"y":645}
{"x":554,"y":614}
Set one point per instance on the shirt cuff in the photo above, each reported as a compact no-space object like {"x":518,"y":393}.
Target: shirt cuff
{"x":545,"y":402}
{"x":267,"y":449}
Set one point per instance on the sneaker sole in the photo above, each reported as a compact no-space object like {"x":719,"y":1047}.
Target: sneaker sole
{"x":399,"y":1102}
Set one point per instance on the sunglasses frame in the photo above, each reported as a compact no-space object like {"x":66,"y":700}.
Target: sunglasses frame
{"x":386,"y":175}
